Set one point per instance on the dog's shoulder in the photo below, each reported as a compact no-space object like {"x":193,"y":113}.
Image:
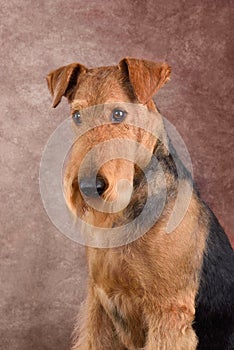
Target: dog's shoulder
{"x":214,"y":322}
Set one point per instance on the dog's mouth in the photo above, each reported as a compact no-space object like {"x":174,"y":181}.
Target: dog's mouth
{"x":96,"y":201}
{"x":96,"y":196}
{"x":121,"y":195}
{"x":128,"y":198}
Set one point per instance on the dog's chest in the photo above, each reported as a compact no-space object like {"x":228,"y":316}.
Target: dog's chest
{"x":116,"y":286}
{"x":126,"y":315}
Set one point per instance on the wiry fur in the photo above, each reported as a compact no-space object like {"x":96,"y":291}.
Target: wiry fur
{"x":162,"y":291}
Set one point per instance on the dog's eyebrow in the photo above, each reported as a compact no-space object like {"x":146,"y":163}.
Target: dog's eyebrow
{"x":77,"y":104}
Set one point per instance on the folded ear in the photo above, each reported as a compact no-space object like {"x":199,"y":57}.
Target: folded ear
{"x":62,"y":81}
{"x":146,"y":77}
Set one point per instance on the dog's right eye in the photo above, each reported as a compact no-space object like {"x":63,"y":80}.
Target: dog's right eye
{"x":76,"y":117}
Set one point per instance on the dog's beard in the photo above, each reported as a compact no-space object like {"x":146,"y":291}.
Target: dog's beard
{"x":144,"y":205}
{"x":132,"y":200}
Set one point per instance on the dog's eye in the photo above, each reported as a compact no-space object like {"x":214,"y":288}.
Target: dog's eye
{"x":118,"y":115}
{"x":76,"y":117}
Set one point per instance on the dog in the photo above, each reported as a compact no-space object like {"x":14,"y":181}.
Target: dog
{"x":160,"y":291}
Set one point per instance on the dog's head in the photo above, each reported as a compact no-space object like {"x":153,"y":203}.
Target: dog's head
{"x":110,"y":104}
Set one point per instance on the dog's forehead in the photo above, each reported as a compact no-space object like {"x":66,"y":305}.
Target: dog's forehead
{"x":100,"y":85}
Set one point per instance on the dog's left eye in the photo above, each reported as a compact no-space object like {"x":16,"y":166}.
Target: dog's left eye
{"x":118,"y":115}
{"x":76,"y":117}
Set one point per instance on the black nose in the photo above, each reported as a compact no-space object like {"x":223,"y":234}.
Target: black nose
{"x":92,"y":189}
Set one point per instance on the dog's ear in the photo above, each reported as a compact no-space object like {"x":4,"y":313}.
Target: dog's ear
{"x":62,"y":81}
{"x":146,"y":77}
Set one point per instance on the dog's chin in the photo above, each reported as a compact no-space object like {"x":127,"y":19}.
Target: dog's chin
{"x":97,"y":219}
{"x":117,"y":197}
{"x":103,"y":211}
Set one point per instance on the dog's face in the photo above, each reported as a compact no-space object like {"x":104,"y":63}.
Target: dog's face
{"x":105,"y":104}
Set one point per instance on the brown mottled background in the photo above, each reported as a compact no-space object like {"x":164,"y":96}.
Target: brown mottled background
{"x":42,"y":278}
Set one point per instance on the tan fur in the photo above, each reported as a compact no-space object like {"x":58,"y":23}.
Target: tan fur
{"x":141,"y":295}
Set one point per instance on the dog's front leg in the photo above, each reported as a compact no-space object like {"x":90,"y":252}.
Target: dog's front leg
{"x":169,"y":333}
{"x":95,"y":330}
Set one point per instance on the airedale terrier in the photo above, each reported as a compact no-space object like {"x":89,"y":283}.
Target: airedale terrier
{"x":161,"y":291}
